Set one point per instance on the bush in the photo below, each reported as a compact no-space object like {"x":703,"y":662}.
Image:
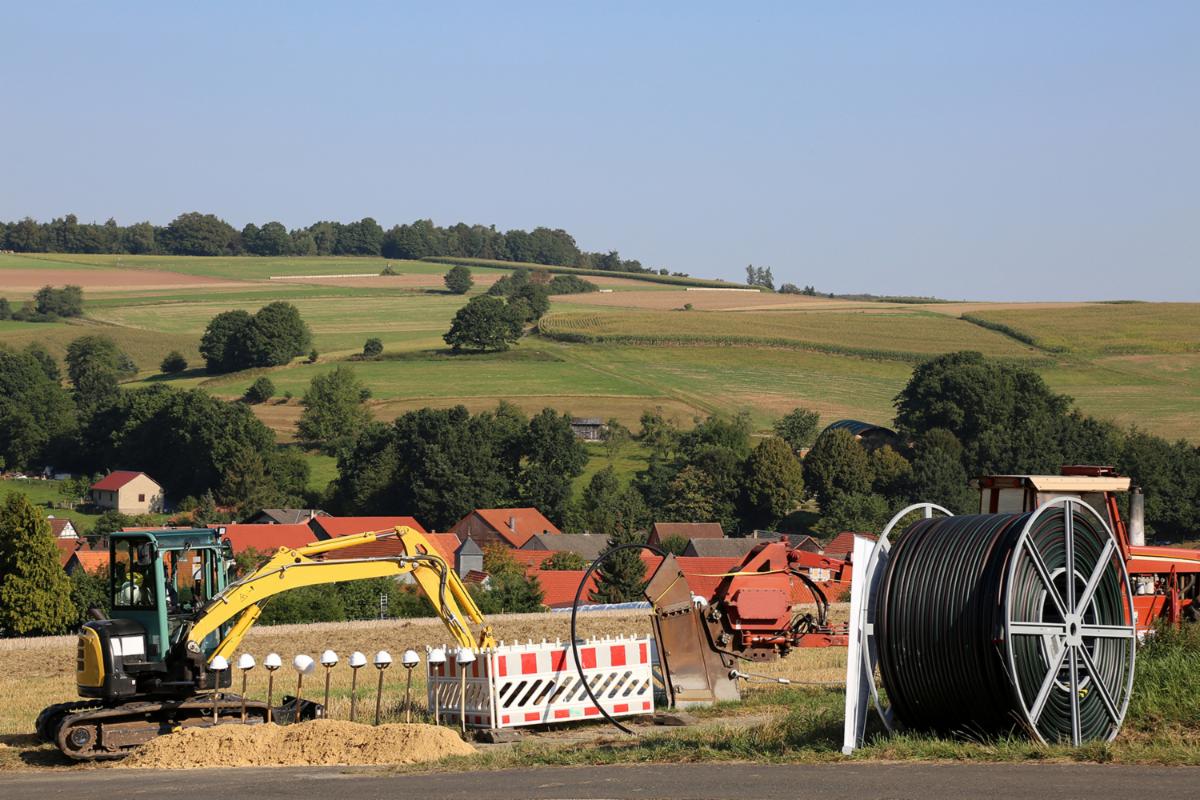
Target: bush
{"x":570,"y":284}
{"x":372,"y":348}
{"x":174,"y":363}
{"x":260,"y":391}
{"x":235,"y":340}
{"x":388,"y":270}
{"x":564,"y":560}
{"x":313,"y":355}
{"x":64,"y":302}
{"x":458,"y":280}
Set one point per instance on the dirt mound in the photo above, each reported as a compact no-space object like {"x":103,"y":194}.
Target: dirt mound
{"x":318,"y":742}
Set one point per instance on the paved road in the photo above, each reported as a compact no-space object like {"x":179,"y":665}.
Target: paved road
{"x":686,"y":781}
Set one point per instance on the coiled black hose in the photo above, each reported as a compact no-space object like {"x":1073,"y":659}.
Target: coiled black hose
{"x":964,"y":650}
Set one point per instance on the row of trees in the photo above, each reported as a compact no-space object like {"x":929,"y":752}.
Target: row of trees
{"x":48,"y":305}
{"x":197,"y":234}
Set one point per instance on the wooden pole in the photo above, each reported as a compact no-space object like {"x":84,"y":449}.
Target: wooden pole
{"x":353,"y":691}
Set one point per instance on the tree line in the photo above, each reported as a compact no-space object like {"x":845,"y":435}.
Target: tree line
{"x":197,"y":234}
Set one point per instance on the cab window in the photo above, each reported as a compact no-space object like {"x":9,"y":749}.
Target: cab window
{"x":132,"y":580}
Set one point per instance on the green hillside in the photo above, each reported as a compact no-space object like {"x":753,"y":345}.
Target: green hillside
{"x":617,"y":353}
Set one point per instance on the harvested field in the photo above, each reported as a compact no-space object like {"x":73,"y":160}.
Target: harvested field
{"x":404,"y":280}
{"x":27,"y":281}
{"x":320,"y":742}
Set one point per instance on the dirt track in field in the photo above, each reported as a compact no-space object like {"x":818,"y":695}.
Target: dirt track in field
{"x":28,"y":281}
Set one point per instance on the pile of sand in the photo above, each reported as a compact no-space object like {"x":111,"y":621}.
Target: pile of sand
{"x":318,"y":742}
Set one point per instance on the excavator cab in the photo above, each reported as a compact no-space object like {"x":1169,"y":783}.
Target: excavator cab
{"x":157,"y":579}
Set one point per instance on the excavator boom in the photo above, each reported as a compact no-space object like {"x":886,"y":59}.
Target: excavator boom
{"x":292,"y":568}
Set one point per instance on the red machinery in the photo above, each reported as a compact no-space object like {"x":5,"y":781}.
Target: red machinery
{"x":757,"y":613}
{"x":1166,"y":579}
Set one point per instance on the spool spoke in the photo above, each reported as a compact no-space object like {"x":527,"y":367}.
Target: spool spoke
{"x":1040,"y":565}
{"x":1101,"y":689}
{"x":1107,"y":631}
{"x":1076,"y":736}
{"x":1038,"y":628}
{"x":1069,"y":537}
{"x":1039,"y":703}
{"x":1097,"y":574}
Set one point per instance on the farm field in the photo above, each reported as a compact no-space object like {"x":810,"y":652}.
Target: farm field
{"x":1133,"y":363}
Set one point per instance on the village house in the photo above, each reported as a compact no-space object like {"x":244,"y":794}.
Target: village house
{"x":590,"y":429}
{"x":128,"y":492}
{"x":511,"y":527}
{"x":661,"y":531}
{"x":62,"y":528}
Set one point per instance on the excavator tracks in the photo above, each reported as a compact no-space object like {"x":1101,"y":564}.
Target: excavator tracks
{"x":102,"y":733}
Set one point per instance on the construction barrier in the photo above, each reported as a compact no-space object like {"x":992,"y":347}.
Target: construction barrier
{"x":538,"y":684}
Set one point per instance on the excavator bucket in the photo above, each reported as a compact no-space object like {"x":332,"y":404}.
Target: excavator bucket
{"x":695,"y":673}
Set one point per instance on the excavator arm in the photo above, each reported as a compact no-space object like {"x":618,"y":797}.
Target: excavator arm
{"x":292,"y":568}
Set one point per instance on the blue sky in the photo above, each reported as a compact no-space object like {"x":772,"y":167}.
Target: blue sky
{"x":965,"y":150}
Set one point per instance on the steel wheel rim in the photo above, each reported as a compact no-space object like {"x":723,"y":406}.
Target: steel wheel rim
{"x":1093,"y":625}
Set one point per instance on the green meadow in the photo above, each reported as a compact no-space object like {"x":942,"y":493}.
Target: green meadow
{"x":1133,"y":363}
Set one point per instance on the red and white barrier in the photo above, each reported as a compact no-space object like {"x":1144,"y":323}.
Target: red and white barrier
{"x":538,"y":684}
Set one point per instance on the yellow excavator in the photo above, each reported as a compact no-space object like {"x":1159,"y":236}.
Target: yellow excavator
{"x":145,"y":671}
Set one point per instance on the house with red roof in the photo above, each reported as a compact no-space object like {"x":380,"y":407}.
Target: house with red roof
{"x":265,"y":538}
{"x":128,"y":492}
{"x":445,"y":545}
{"x":661,"y":531}
{"x":511,"y":527}
{"x":329,"y":527}
{"x":842,"y":545}
{"x":92,"y":562}
{"x":559,"y":586}
{"x":62,"y":528}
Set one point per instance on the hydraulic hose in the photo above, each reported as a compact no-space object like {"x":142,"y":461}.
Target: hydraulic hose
{"x":607,"y":554}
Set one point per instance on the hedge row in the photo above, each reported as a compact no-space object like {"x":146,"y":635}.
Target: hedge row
{"x":649,"y":277}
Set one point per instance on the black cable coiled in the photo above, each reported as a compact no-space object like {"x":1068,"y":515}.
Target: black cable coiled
{"x":940,"y":626}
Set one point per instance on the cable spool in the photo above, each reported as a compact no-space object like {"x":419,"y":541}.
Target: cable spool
{"x":975,"y":626}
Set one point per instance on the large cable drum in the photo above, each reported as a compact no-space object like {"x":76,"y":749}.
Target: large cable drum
{"x":993,"y":622}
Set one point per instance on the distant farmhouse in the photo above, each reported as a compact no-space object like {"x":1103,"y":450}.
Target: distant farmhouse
{"x":127,"y":492}
{"x":590,"y":429}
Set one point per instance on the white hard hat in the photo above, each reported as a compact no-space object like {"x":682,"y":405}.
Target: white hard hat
{"x":410,"y":658}
{"x":246,"y":661}
{"x":218,"y":664}
{"x":437,"y":655}
{"x":272,"y":661}
{"x":329,"y":658}
{"x":465,"y":656}
{"x":383,"y":659}
{"x":304,"y":664}
{"x":357,"y":660}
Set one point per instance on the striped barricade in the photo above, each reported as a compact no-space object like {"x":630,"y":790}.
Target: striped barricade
{"x":538,"y":684}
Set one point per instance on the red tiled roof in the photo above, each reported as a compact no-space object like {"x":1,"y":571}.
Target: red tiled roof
{"x":531,"y":560}
{"x":91,"y":561}
{"x":526,"y":521}
{"x":267,"y":538}
{"x":559,"y":586}
{"x":689,"y":530}
{"x":328,"y":527}
{"x":444,"y":545}
{"x":704,"y":575}
{"x":66,"y":547}
{"x":114,"y":480}
{"x":842,"y":545}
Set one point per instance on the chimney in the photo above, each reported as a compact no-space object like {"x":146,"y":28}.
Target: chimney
{"x":512,"y":524}
{"x":1137,"y":518}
